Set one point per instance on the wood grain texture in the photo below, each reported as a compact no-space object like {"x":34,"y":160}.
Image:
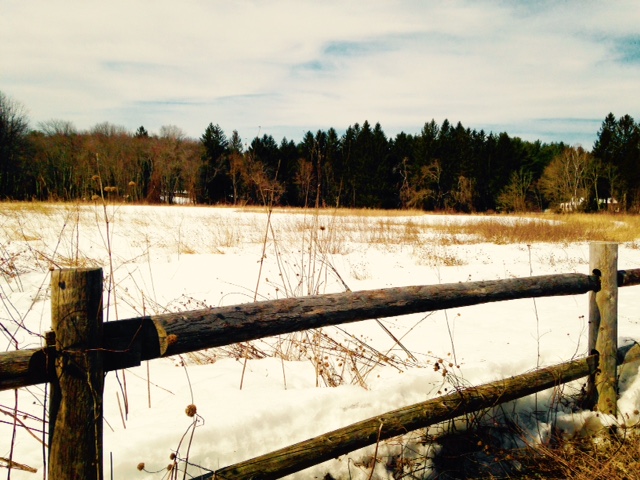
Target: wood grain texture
{"x":127,"y":342}
{"x":75,"y":411}
{"x":398,"y":422}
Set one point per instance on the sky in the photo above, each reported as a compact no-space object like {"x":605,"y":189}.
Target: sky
{"x":547,"y":70}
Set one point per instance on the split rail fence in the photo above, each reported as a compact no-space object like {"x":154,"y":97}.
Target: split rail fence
{"x":80,"y":349}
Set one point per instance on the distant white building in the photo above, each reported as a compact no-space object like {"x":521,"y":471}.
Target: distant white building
{"x":180,"y":197}
{"x":574,"y":204}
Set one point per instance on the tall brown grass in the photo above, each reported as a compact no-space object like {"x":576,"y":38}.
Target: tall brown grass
{"x":548,"y":228}
{"x":404,"y":226}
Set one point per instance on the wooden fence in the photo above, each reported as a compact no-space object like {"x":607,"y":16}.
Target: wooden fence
{"x":80,"y":349}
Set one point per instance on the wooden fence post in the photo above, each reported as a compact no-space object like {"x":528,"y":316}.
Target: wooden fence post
{"x":602,"y":388}
{"x":75,"y":411}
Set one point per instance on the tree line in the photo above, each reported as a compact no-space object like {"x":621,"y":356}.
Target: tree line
{"x":444,"y":167}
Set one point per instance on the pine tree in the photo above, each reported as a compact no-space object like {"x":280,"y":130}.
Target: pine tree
{"x":215,"y":184}
{"x":618,"y":148}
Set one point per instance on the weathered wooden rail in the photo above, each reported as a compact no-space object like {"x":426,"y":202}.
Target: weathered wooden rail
{"x":81,"y":348}
{"x":330,"y":445}
{"x":128,"y":342}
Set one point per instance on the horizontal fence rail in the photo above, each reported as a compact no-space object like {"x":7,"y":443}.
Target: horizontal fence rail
{"x":81,"y":348}
{"x":126,"y":343}
{"x":333,"y":444}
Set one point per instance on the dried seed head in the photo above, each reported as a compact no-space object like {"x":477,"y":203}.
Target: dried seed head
{"x":172,"y":456}
{"x":132,"y":183}
{"x":141,"y":466}
{"x":191,"y":410}
{"x":95,"y":178}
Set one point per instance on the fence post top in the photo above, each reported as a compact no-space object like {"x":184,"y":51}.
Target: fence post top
{"x":77,"y":269}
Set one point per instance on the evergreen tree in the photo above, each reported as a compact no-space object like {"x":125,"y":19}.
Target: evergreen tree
{"x":345,"y":169}
{"x":368,"y":172}
{"x":330,"y":183}
{"x":266,"y":150}
{"x":421,"y":171}
{"x":463,"y":166}
{"x":262,"y":170}
{"x":400,"y":156}
{"x":141,"y":132}
{"x":618,"y":148}
{"x":607,"y":145}
{"x":446,"y":166}
{"x":309,"y":164}
{"x":288,"y":158}
{"x":237,"y":168}
{"x":144,"y":160}
{"x":235,"y":143}
{"x":215,"y":183}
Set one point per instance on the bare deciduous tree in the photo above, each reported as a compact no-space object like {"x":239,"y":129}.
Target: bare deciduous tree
{"x":566,"y":180}
{"x":514,"y":197}
{"x":14,"y":126}
{"x":423,"y":190}
{"x":463,"y":195}
{"x":304,"y":178}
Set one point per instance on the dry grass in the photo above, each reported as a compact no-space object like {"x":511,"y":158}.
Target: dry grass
{"x":338,"y":357}
{"x":413,"y":228}
{"x":584,"y":458}
{"x":331,"y":231}
{"x":341,"y":212}
{"x":495,"y":448}
{"x":611,"y":454}
{"x":562,"y":229}
{"x":45,"y":208}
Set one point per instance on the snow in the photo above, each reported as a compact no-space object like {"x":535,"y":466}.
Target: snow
{"x":171,"y":258}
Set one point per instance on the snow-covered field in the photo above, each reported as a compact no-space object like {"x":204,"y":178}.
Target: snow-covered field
{"x":183,"y":258}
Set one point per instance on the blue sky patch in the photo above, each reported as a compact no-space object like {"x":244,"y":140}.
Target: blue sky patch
{"x":133,"y":67}
{"x":351,"y":49}
{"x":628,"y":49}
{"x":312,"y":66}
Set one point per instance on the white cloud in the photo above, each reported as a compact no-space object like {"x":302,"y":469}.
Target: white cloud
{"x":292,"y":66}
